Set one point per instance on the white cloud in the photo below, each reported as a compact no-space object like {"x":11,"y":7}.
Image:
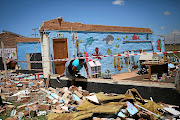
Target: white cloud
{"x":167,"y":13}
{"x":162,"y":27}
{"x":118,"y":2}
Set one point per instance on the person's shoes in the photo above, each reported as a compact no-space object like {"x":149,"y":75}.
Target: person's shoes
{"x":58,"y":77}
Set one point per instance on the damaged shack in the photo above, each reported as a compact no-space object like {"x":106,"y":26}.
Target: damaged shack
{"x":95,"y":40}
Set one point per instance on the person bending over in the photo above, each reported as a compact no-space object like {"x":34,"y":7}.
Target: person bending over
{"x":72,"y":67}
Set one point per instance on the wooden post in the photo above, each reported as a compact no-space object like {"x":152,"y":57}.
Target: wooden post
{"x":4,"y":61}
{"x":149,"y":72}
{"x":28,"y":59}
{"x":47,"y":81}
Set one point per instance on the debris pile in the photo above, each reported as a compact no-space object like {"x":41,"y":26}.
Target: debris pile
{"x":29,"y":99}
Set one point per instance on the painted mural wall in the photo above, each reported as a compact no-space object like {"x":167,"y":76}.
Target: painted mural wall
{"x":104,"y":43}
{"x":27,"y":48}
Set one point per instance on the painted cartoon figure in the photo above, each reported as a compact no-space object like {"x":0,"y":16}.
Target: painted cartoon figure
{"x":97,"y":54}
{"x":89,"y":41}
{"x":109,"y":39}
{"x":159,"y":45}
{"x":135,"y":37}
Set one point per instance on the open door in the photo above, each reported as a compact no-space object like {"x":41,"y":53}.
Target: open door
{"x":60,"y":51}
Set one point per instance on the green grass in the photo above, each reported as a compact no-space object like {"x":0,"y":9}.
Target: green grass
{"x":5,"y":114}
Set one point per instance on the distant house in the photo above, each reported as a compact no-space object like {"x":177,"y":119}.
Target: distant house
{"x":29,"y":49}
{"x":172,"y":43}
{"x":60,"y":39}
{"x":18,"y":47}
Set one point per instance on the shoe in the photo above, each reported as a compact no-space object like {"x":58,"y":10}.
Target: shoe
{"x":58,"y":77}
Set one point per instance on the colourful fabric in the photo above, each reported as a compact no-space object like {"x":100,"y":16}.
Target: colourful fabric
{"x":76,"y":64}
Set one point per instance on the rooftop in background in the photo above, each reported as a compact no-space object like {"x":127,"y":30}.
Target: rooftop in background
{"x":60,"y":24}
{"x":10,"y":39}
{"x":172,"y":38}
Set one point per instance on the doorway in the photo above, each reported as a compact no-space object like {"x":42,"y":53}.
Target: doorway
{"x":60,"y":51}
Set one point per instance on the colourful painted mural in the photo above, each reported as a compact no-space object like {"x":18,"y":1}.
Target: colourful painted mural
{"x":109,"y":51}
{"x":77,"y":46}
{"x":104,"y":43}
{"x":109,"y":39}
{"x":97,"y":54}
{"x":147,"y":37}
{"x":159,"y":45}
{"x":135,"y":37}
{"x":89,"y":41}
{"x":117,"y":45}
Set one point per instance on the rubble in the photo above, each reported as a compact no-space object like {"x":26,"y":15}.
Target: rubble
{"x":24,"y":98}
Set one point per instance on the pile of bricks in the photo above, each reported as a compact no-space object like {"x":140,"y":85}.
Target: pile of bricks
{"x":31,"y":99}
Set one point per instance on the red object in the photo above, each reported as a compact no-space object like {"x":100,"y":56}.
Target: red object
{"x":86,"y":56}
{"x":38,"y":75}
{"x":175,"y":51}
{"x":158,"y":45}
{"x":135,"y":37}
{"x":97,"y":54}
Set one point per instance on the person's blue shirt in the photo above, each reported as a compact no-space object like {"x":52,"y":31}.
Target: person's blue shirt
{"x":76,"y":64}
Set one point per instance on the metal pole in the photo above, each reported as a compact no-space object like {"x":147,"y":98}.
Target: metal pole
{"x":4,"y":61}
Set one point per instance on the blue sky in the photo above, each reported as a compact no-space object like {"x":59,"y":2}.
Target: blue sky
{"x":21,"y":16}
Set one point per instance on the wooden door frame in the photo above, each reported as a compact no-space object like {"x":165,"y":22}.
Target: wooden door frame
{"x":58,"y":39}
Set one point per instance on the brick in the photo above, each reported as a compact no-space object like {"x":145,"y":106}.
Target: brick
{"x":11,"y":98}
{"x":58,"y":107}
{"x":65,"y":95}
{"x":78,"y":94}
{"x":13,"y":89}
{"x":53,"y":106}
{"x":5,"y":89}
{"x":57,"y":111}
{"x":23,"y":100}
{"x":25,"y":112}
{"x":45,"y":107}
{"x":60,"y":94}
{"x":9,"y":107}
{"x":21,"y":106}
{"x":2,"y":111}
{"x":73,"y":88}
{"x":85,"y":93}
{"x":33,"y":104}
{"x":11,"y":118}
{"x":32,"y":108}
{"x":52,"y":89}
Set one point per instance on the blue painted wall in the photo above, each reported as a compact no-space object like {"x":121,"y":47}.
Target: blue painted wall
{"x":117,"y":46}
{"x":26,"y":48}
